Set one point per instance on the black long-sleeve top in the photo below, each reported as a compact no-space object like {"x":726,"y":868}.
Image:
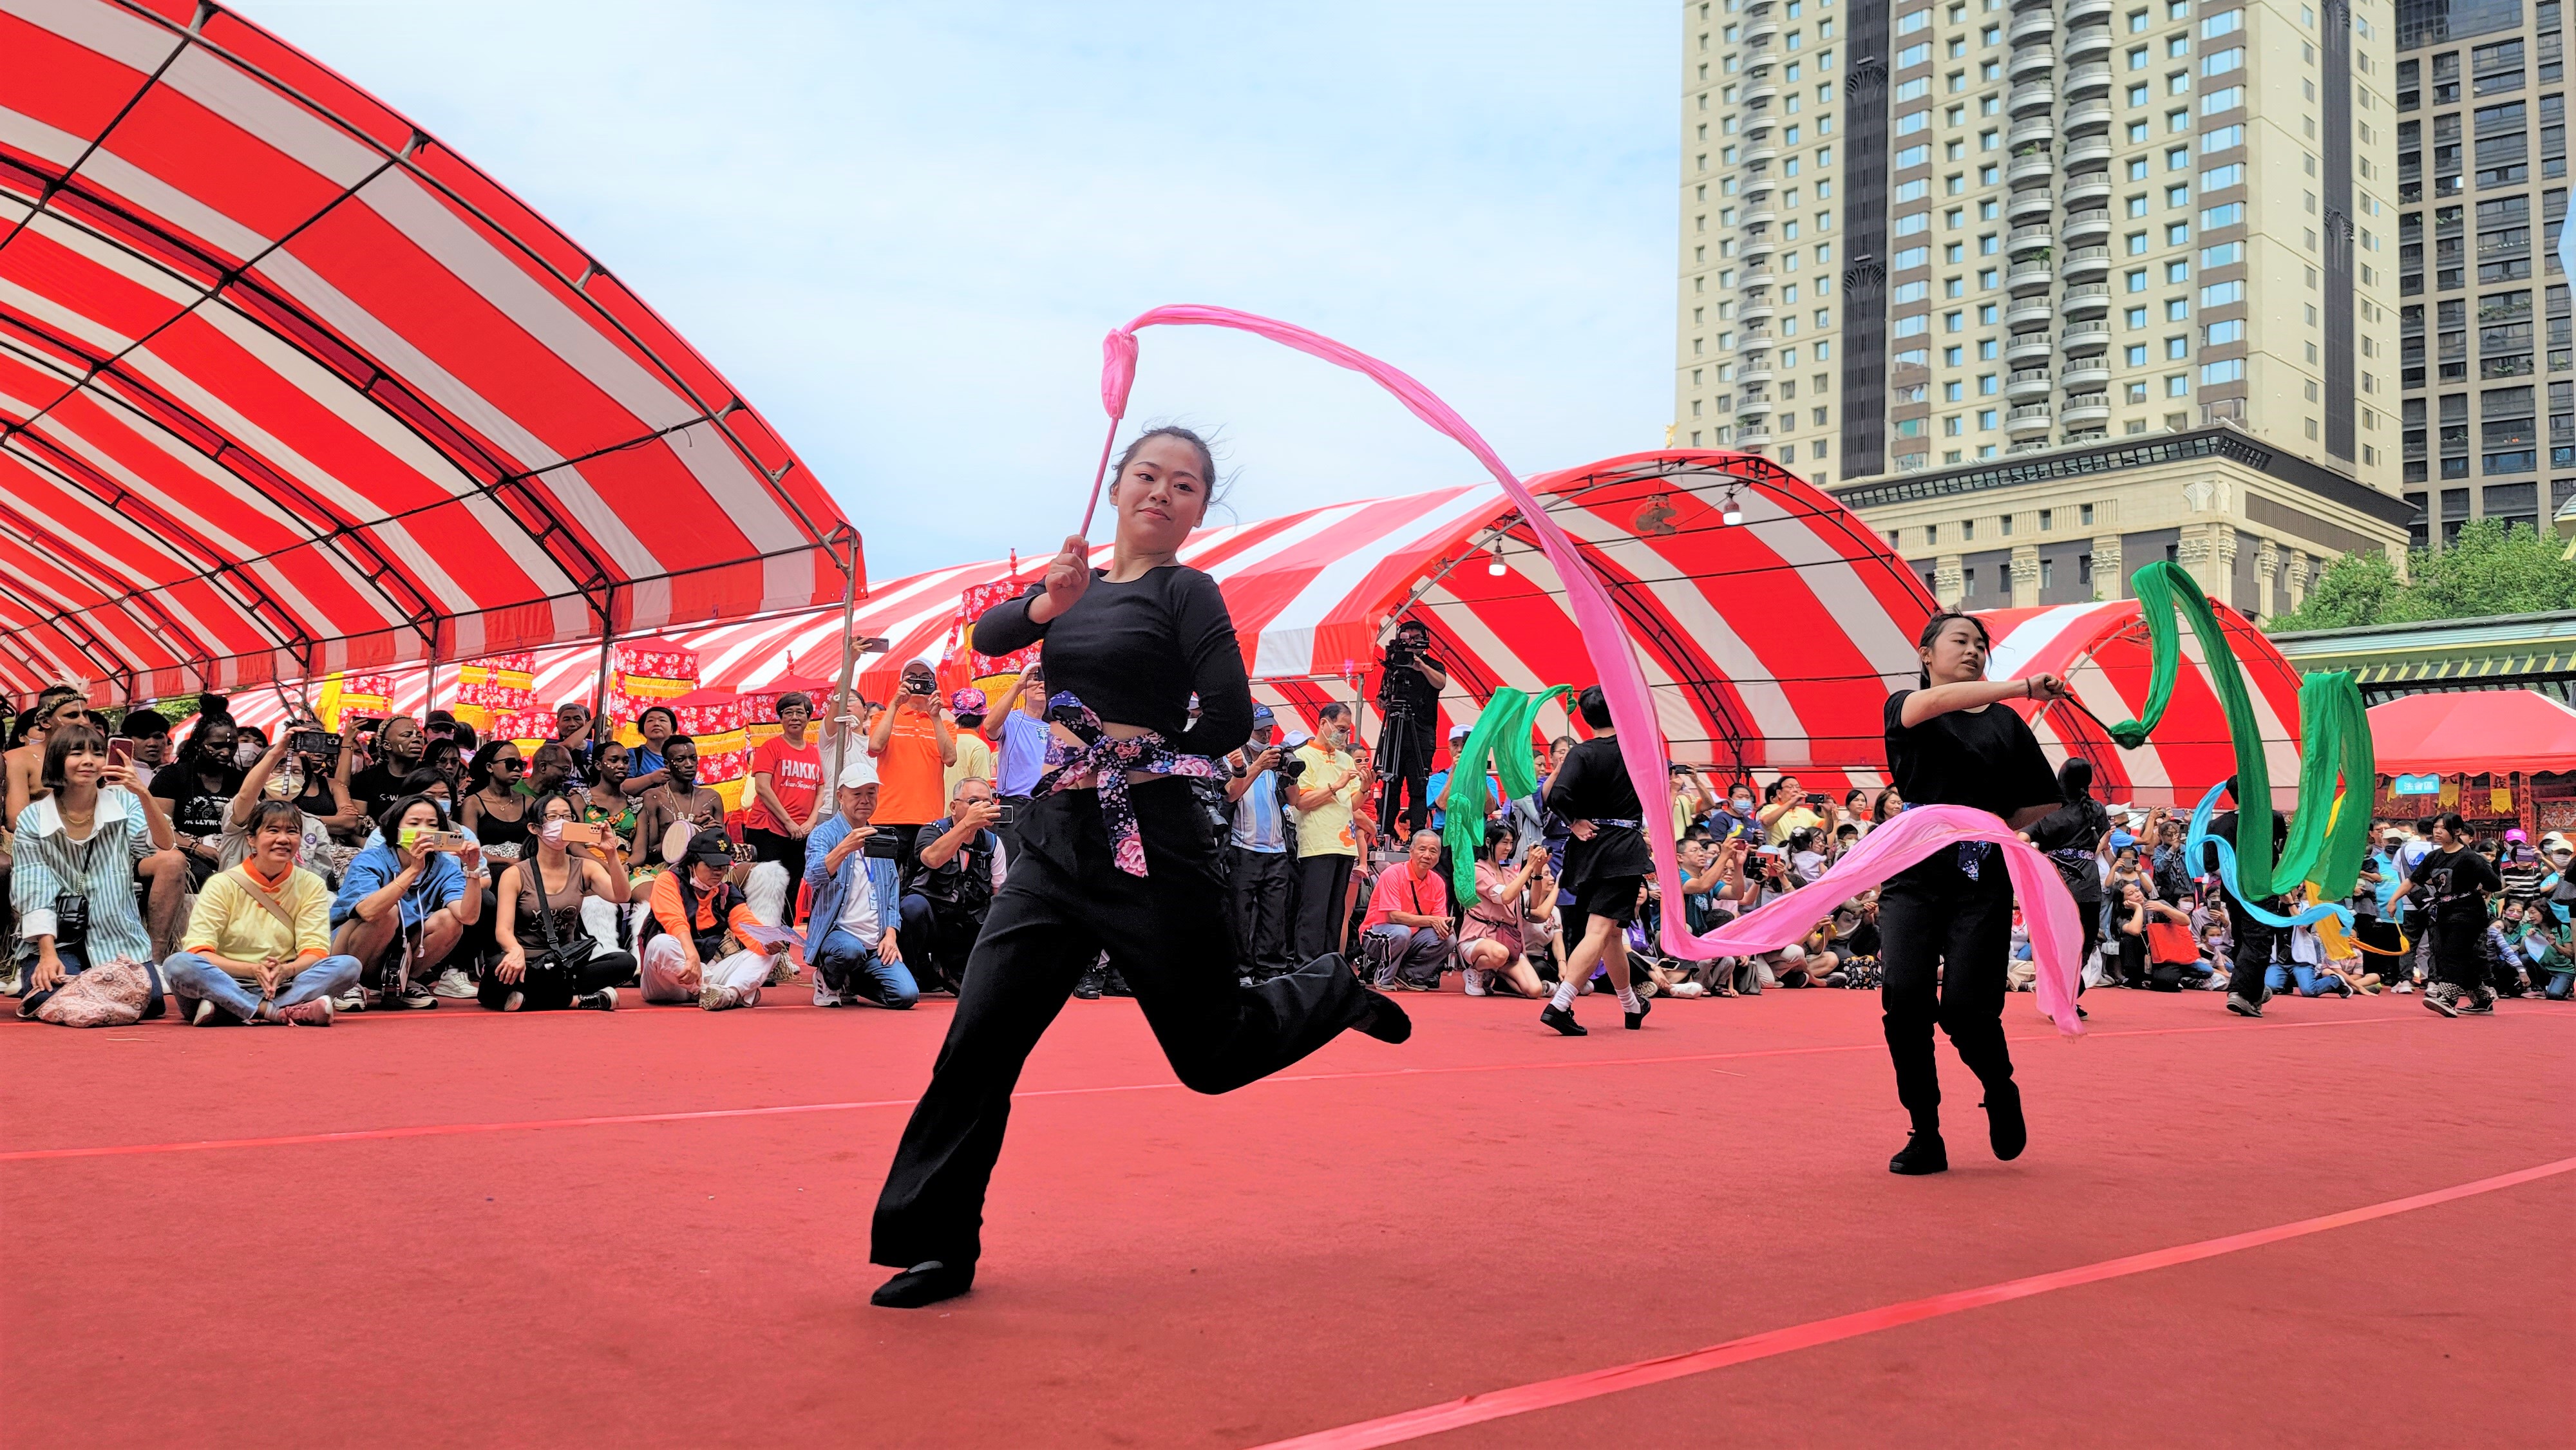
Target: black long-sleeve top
{"x":1135,"y":652}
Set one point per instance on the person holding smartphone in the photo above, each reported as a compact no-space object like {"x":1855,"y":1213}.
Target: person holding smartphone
{"x":71,"y":876}
{"x":548,"y":960}
{"x":1786,"y":808}
{"x":913,"y":744}
{"x":404,"y":903}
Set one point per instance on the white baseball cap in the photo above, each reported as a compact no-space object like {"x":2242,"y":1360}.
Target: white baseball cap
{"x":861,"y":771}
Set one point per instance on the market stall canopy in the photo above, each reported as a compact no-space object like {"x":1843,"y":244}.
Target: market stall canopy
{"x":2101,"y":650}
{"x":2475,"y":732}
{"x":287,"y":387}
{"x":1770,"y":643}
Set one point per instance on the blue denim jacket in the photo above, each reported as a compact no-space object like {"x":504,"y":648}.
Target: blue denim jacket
{"x":832,"y":890}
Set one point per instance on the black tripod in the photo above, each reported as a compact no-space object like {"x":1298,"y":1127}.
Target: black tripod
{"x":1404,"y":765}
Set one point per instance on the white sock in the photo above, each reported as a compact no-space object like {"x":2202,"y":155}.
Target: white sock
{"x":1564,"y":999}
{"x":1628,"y":1000}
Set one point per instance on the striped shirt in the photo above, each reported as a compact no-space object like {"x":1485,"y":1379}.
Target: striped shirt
{"x":48,"y":864}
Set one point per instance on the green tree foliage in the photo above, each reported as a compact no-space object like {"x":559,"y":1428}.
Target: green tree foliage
{"x":2489,"y":569}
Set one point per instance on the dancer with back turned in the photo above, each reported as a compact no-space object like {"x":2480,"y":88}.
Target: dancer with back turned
{"x":1945,"y":923}
{"x":1606,"y":864}
{"x":1113,"y":854}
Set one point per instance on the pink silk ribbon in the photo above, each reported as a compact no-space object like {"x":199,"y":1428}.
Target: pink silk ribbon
{"x":2054,"y":935}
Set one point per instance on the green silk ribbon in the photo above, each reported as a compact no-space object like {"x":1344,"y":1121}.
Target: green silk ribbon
{"x":2325,"y":846}
{"x":1501,"y":737}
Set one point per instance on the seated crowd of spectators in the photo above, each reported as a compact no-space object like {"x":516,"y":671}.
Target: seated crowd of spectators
{"x":291,"y":879}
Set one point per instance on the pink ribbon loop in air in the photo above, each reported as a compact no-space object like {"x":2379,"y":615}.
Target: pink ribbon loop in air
{"x":2049,"y":912}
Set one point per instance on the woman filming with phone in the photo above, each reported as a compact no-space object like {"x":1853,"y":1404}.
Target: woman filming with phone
{"x":405,"y":902}
{"x":72,"y":875}
{"x":548,"y":962}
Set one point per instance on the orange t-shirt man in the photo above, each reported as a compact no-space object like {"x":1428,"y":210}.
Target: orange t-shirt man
{"x":909,"y":772}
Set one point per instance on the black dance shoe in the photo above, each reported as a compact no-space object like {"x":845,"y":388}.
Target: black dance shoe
{"x":922,"y":1284}
{"x":1562,"y":1019}
{"x":1923,"y":1153}
{"x":2004,"y":1127}
{"x":1385,"y":1021}
{"x":1637,"y":1018}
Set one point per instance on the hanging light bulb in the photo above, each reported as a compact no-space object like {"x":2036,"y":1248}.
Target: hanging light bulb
{"x":1494,"y":566}
{"x":1733,"y":511}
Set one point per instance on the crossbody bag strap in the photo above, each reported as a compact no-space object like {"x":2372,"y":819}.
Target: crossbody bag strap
{"x":545,"y":912}
{"x":267,"y":902}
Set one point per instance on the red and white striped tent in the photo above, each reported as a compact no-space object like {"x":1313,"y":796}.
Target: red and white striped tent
{"x":2101,"y":650}
{"x":1770,"y":644}
{"x":288,"y":388}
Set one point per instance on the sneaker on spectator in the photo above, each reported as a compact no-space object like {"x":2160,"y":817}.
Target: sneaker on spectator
{"x":514,"y":1001}
{"x":352,"y":1000}
{"x":2444,"y":998}
{"x":2403,"y":988}
{"x":316,"y":1013}
{"x":1689,"y":989}
{"x":204,"y":1016}
{"x":1475,"y":981}
{"x":453,"y":983}
{"x":415,"y":997}
{"x":603,"y":1000}
{"x":10,"y":979}
{"x":825,"y":996}
{"x":2481,"y":999}
{"x":716,"y":997}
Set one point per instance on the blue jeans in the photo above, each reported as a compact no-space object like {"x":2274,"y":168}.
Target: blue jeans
{"x":2560,"y":984}
{"x":848,"y":967}
{"x":2313,"y":981}
{"x":192,"y":976}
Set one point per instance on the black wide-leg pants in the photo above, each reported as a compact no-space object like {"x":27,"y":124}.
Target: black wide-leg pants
{"x":1943,"y":943}
{"x":1167,"y":932}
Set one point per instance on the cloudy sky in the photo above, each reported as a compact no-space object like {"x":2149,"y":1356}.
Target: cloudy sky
{"x":902,"y":229}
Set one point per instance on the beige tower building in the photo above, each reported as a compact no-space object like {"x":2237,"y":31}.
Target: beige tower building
{"x":2481,"y":189}
{"x":2049,"y":289}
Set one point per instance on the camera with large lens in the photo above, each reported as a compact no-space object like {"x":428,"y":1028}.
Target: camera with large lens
{"x":1290,"y":767}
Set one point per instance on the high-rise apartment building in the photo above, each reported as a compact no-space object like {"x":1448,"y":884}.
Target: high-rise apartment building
{"x":2482,"y":187}
{"x":2047,"y":288}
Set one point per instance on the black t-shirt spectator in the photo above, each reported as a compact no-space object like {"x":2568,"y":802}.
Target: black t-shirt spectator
{"x":379,"y":785}
{"x":196,"y":809}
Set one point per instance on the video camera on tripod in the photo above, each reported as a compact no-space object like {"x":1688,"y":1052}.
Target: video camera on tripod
{"x":1409,"y":649}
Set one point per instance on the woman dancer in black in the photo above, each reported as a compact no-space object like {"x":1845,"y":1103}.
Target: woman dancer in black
{"x":1945,"y":923}
{"x":1606,"y":863}
{"x":1113,"y":854}
{"x":2074,"y":835}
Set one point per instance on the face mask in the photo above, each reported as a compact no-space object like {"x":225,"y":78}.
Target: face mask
{"x":246,"y":754}
{"x":551,"y":832}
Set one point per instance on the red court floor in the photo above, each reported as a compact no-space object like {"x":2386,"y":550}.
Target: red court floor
{"x":455,"y":1228}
